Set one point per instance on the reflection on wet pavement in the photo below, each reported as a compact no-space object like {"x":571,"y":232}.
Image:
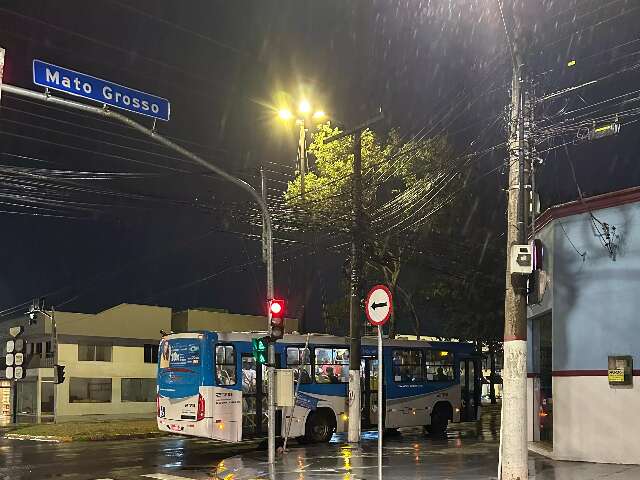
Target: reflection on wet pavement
{"x":469,"y":451}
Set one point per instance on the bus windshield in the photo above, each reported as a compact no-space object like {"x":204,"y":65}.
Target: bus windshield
{"x":179,"y":367}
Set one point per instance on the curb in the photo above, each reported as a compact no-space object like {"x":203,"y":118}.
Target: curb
{"x":37,"y":438}
{"x":55,"y":439}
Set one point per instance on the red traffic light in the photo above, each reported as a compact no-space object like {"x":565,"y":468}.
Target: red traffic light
{"x":276,"y":308}
{"x":276,"y":319}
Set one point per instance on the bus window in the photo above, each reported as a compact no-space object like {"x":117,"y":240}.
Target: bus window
{"x":332,"y":365}
{"x":440,"y":366}
{"x":225,"y":365}
{"x":407,"y":366}
{"x":299,"y":360}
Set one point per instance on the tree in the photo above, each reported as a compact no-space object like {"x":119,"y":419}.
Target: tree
{"x":406,"y":184}
{"x":471,"y":301}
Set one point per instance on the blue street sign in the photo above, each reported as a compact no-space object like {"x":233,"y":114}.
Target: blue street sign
{"x":103,"y":91}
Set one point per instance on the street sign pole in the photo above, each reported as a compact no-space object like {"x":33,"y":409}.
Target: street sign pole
{"x":380,"y":418}
{"x":161,"y":114}
{"x":378,"y":308}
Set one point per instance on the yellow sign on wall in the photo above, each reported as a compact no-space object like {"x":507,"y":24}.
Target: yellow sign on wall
{"x":616,"y":375}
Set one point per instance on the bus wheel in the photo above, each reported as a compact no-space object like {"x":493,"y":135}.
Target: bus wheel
{"x":439,"y":422}
{"x":319,"y":428}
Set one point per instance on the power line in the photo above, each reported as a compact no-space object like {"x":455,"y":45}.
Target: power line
{"x":164,"y":21}
{"x":104,"y":44}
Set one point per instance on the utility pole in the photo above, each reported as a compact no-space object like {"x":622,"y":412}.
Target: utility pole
{"x":302,"y":155}
{"x":513,"y":438}
{"x":356,"y":288}
{"x":302,"y":162}
{"x":354,"y":397}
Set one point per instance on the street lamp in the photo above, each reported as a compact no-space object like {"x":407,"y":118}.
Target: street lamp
{"x":36,"y":308}
{"x":285,"y":114}
{"x":304,"y":115}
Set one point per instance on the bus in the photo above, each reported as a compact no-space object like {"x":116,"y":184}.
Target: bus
{"x":210,"y":385}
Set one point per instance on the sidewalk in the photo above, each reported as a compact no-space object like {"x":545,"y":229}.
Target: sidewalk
{"x":74,"y":431}
{"x":469,"y":453}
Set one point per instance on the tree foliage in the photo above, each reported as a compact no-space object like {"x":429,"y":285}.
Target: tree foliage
{"x":405,"y":182}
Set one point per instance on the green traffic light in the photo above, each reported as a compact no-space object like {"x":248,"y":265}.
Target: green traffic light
{"x":259,"y":350}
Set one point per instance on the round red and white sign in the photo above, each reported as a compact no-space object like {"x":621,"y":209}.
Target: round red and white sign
{"x":379,"y":305}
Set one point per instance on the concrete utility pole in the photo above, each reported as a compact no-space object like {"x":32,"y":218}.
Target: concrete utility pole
{"x":356,"y":289}
{"x":356,"y":277}
{"x":513,"y":439}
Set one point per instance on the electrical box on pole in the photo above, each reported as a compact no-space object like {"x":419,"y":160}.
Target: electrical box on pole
{"x":285,"y":394}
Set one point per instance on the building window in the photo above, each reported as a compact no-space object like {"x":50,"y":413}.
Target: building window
{"x":150,"y":353}
{"x":299,"y":359}
{"x":225,"y":364}
{"x":138,"y":389}
{"x":440,"y":366}
{"x":408,"y":366}
{"x":89,"y":390}
{"x":332,"y":365}
{"x":94,"y":353}
{"x":39,"y":348}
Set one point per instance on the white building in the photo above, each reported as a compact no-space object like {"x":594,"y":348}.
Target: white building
{"x":585,"y":327}
{"x":110,"y":361}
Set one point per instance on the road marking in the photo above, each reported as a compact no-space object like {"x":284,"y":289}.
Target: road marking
{"x":164,"y":476}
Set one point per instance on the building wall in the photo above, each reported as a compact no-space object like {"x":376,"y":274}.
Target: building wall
{"x":125,"y":320}
{"x":594,"y":422}
{"x":598,"y":297}
{"x":191,"y":320}
{"x":127,"y":362}
{"x":595,"y":301}
{"x":546,"y":235}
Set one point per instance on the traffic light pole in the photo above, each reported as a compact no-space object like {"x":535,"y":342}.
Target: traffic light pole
{"x":271,"y":347}
{"x":266,"y":217}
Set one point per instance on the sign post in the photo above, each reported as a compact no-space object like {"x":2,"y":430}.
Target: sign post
{"x":379,"y":306}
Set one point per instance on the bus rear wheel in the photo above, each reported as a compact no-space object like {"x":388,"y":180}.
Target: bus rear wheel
{"x":319,"y":428}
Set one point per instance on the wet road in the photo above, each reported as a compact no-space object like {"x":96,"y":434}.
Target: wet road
{"x":468,"y":452}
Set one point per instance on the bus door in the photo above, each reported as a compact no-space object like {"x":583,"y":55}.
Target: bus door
{"x":254,"y":397}
{"x":369,"y":388}
{"x":469,"y":390}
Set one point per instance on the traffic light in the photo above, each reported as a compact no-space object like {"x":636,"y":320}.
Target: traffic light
{"x":276,"y":318}
{"x":260,"y":349}
{"x":58,"y":372}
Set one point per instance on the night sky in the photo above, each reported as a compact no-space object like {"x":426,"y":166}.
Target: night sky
{"x":162,"y":232}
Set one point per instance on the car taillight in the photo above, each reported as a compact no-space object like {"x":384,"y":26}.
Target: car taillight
{"x":158,"y":404}
{"x":200,"y":407}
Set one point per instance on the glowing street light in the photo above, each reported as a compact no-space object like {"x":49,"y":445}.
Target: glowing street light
{"x":285,"y":114}
{"x":304,"y":107}
{"x":319,"y":115}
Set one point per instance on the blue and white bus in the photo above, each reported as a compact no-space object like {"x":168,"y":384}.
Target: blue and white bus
{"x":209,"y":385}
